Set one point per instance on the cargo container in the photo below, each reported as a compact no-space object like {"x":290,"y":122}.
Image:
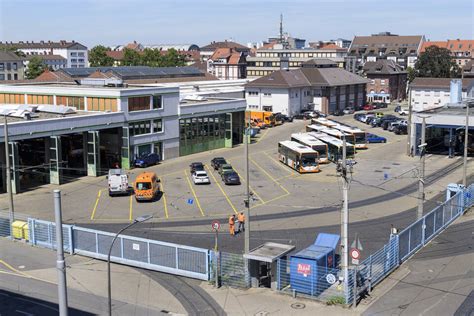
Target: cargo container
{"x":309,"y":267}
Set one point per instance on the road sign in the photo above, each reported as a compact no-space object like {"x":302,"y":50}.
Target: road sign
{"x":330,"y":278}
{"x":468,"y":195}
{"x":215,"y":225}
{"x":355,"y":253}
{"x":190,"y":201}
{"x":355,"y":261}
{"x":357,"y":244}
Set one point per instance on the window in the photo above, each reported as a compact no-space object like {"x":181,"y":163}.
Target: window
{"x":157,"y":102}
{"x":9,"y":66}
{"x":10,"y":97}
{"x":138,"y":103}
{"x":157,"y":126}
{"x":15,"y":66}
{"x":140,"y":128}
{"x":40,"y":99}
{"x":382,"y":82}
{"x":266,"y":94}
{"x":80,"y":54}
{"x":436,"y":93}
{"x":2,"y":66}
{"x":427,"y":93}
{"x":254,"y":93}
{"x":15,"y":76}
{"x":372,"y":81}
{"x":81,"y":60}
{"x":73,"y":60}
{"x":2,"y":77}
{"x":73,"y":54}
{"x":100,"y":104}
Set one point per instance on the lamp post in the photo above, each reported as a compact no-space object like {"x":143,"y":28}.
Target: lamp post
{"x":466,"y":141}
{"x":135,"y":221}
{"x":11,"y":209}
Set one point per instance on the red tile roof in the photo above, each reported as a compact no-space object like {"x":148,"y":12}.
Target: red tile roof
{"x":49,"y":76}
{"x":115,"y":54}
{"x":331,"y":46}
{"x":453,"y":45}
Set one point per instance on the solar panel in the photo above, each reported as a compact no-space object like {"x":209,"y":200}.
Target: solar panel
{"x":136,"y":72}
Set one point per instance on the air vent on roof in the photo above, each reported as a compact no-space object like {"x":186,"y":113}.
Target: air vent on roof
{"x":194,"y":97}
{"x":56,"y":109}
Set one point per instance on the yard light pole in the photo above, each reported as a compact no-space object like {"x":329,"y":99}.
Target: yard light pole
{"x":247,"y":193}
{"x":60,"y":263}
{"x":11,"y":209}
{"x":466,"y":141}
{"x":109,"y":281}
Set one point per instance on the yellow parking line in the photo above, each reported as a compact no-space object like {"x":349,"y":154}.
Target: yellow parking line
{"x":21,"y":273}
{"x":131,"y":208}
{"x":263,"y":135}
{"x":277,"y":162}
{"x":194,"y":193}
{"x":164,"y":198}
{"x":222,"y":190}
{"x":96,"y":203}
{"x":270,"y":176}
{"x":251,"y":189}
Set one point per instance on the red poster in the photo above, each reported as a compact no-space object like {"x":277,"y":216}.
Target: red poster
{"x":304,"y":269}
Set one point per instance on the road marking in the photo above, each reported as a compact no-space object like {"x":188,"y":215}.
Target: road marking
{"x":270,"y":176}
{"x":165,"y":205}
{"x":263,"y":135}
{"x":280,"y":164}
{"x":20,"y":273}
{"x":222,"y":190}
{"x":96,"y":203}
{"x":251,"y":189}
{"x":131,"y":209}
{"x":194,"y":193}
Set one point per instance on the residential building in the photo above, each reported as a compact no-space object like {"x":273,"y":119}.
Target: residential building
{"x":62,"y":130}
{"x":317,"y":85}
{"x":462,"y":51}
{"x":53,"y":62}
{"x":445,"y":123}
{"x":388,"y":81}
{"x":268,"y":60}
{"x":11,"y":66}
{"x":289,"y":41}
{"x":430,"y":93}
{"x":403,"y":50}
{"x":207,"y":51}
{"x":227,"y":64}
{"x":468,"y":69}
{"x":75,"y":53}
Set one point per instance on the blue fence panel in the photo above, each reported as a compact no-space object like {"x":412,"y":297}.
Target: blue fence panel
{"x":429,"y":225}
{"x":43,"y":234}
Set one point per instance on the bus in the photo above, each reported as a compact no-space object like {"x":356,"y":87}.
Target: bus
{"x":331,"y":132}
{"x":335,"y":146}
{"x":314,"y":143}
{"x":298,"y":157}
{"x":358,"y":135}
{"x":323,"y":121}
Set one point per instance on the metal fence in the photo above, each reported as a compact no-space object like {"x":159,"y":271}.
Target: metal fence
{"x":231,"y":269}
{"x":43,"y":233}
{"x":144,"y":253}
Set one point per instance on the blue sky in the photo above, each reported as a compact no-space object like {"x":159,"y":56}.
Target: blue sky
{"x":200,"y":21}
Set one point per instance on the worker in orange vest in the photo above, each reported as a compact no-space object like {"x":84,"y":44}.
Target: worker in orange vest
{"x":232,"y":225}
{"x":241,"y":219}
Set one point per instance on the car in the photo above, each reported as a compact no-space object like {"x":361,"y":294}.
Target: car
{"x":368,"y":107}
{"x":365,"y":117}
{"x":376,"y":122}
{"x":379,"y":114}
{"x":386,"y":123}
{"x":225,"y":167}
{"x":397,"y":108}
{"x":117,"y":180}
{"x":369,"y":120}
{"x":230,"y":177}
{"x":382,"y":105}
{"x":349,"y":110}
{"x":338,"y":113}
{"x":392,"y":125}
{"x":358,"y":116}
{"x":200,"y":177}
{"x":196,"y":166}
{"x":147,"y":159}
{"x":283,"y":117}
{"x":401,"y":129}
{"x":217,"y":161}
{"x":372,"y":138}
{"x":403,"y":111}
{"x":310,"y":114}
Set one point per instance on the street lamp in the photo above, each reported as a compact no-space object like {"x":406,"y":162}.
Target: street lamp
{"x":466,"y":141}
{"x":135,"y":221}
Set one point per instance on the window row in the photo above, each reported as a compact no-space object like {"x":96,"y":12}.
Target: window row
{"x":9,"y":77}
{"x":102,"y":104}
{"x":77,"y":102}
{"x":12,"y":98}
{"x":40,"y":99}
{"x":8,"y":66}
{"x":143,"y":103}
{"x":258,"y":72}
{"x":146,"y":127}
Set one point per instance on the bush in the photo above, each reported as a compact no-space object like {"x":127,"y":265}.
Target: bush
{"x":336,"y":300}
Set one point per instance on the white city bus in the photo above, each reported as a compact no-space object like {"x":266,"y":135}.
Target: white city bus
{"x":323,"y":121}
{"x":331,"y":132}
{"x":359,"y":136}
{"x":314,"y":143}
{"x":298,"y":157}
{"x":335,"y":146}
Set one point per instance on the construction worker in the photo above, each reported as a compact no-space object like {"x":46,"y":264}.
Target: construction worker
{"x":232,"y":225}
{"x":241,"y":219}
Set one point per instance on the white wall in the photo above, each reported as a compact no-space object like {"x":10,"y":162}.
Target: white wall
{"x":424,"y":98}
{"x":278,"y":98}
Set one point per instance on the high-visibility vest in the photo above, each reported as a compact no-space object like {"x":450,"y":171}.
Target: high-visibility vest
{"x":241,"y":217}
{"x":231,"y":220}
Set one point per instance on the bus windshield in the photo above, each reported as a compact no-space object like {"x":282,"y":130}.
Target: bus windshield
{"x":322,"y":151}
{"x":309,"y":160}
{"x":360,"y":138}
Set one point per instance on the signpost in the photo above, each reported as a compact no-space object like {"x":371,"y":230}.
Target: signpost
{"x":215,"y":227}
{"x":355,"y":255}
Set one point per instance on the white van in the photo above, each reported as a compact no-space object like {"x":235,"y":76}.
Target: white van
{"x":118,"y":182}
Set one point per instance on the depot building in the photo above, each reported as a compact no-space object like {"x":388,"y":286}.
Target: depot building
{"x":60,"y":131}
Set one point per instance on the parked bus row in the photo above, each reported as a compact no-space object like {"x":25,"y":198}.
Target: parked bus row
{"x":357,"y":136}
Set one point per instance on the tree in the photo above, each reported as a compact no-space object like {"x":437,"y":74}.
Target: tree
{"x":411,"y":74}
{"x":131,"y":58}
{"x":173,"y":59}
{"x":152,"y":58}
{"x":35,"y":68}
{"x":98,"y":57}
{"x":437,"y":62}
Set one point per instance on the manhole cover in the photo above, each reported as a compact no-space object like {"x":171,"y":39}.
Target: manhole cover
{"x":298,"y":305}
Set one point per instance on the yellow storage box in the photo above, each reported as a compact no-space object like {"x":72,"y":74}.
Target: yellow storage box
{"x":20,"y":230}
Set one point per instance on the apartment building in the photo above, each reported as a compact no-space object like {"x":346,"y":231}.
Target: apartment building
{"x":207,"y":50}
{"x":75,"y":53}
{"x":403,"y":50}
{"x":388,"y":81}
{"x":11,"y":66}
{"x":53,"y":62}
{"x":462,"y":51}
{"x":227,"y":64}
{"x":267,"y":61}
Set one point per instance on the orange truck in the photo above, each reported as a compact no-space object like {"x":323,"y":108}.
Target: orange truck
{"x":261,"y":119}
{"x":147,"y":186}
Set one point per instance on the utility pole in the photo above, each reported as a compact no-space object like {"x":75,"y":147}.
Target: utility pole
{"x":345,"y":218}
{"x":247,"y":180}
{"x":466,"y":141}
{"x":410,"y":112}
{"x":9,"y":175}
{"x":421,"y":179}
{"x":60,"y":264}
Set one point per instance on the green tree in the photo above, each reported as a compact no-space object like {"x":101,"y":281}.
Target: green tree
{"x":98,"y":57}
{"x":151,"y":57}
{"x":411,"y":74}
{"x":35,"y":68}
{"x":173,"y":59}
{"x":131,"y":58}
{"x":437,"y":62}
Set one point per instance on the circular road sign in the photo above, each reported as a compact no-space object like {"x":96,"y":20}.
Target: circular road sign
{"x":355,"y":253}
{"x":330,"y":278}
{"x":215,"y":225}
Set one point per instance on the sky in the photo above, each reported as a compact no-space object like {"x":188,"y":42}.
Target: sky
{"x":115,"y":22}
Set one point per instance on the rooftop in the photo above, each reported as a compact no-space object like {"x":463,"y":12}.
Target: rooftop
{"x":383,"y":66}
{"x":40,"y":44}
{"x":225,"y":44}
{"x":439,"y":83}
{"x":9,"y":56}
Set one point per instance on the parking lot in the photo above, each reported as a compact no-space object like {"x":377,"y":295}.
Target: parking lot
{"x":281,"y":197}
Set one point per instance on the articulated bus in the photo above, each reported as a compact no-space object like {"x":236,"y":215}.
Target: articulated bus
{"x":359,"y":135}
{"x":331,"y":132}
{"x":314,"y":143}
{"x":298,"y":157}
{"x":335,"y":146}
